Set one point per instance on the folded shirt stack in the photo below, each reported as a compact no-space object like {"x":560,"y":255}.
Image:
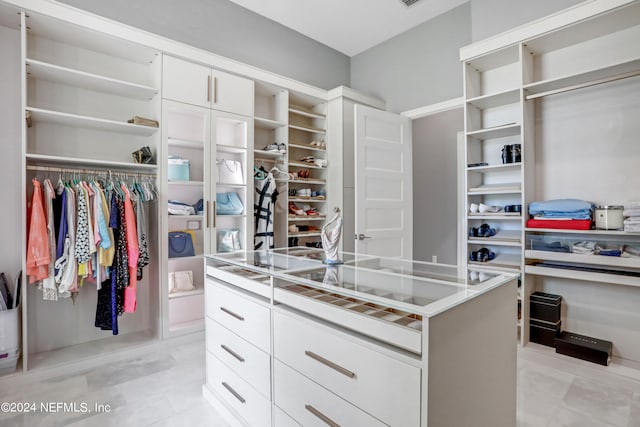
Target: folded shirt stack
{"x":572,"y":214}
{"x":179,"y":208}
{"x":632,"y":216}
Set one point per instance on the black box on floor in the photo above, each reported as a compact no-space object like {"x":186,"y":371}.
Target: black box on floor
{"x":583,"y":347}
{"x":546,"y":307}
{"x":544,"y":333}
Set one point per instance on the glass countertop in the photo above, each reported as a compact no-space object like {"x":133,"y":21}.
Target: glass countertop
{"x":417,"y":287}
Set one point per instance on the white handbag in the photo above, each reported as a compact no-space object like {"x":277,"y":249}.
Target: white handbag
{"x":181,"y":281}
{"x":230,"y":172}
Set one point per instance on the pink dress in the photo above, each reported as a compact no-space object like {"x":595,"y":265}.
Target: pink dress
{"x":133,"y":253}
{"x":38,"y":255}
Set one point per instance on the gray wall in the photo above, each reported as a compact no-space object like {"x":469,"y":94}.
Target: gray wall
{"x":435,"y":186}
{"x":418,"y":67}
{"x":222,"y":27}
{"x":485,"y":22}
{"x":10,"y":147}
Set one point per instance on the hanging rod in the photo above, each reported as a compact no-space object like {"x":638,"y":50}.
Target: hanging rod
{"x":87,"y":171}
{"x":583,"y":85}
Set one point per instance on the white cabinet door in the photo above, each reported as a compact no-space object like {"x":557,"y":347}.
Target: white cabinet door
{"x":186,"y":82}
{"x":231,"y":93}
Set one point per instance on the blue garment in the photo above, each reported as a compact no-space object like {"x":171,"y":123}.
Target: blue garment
{"x":559,"y":205}
{"x":582,"y":214}
{"x":105,"y":241}
{"x":64,"y":227}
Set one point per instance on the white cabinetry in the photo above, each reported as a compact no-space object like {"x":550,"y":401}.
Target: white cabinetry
{"x":316,"y":343}
{"x":80,"y":88}
{"x":200,"y":85}
{"x":565,"y":89}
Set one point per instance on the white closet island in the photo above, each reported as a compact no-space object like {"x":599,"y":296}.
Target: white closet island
{"x":375,"y":341}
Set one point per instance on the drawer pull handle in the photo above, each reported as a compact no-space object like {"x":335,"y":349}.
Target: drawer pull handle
{"x":232,"y":391}
{"x":232,"y":314}
{"x":322,"y":416}
{"x":231,"y":352}
{"x":330,"y":364}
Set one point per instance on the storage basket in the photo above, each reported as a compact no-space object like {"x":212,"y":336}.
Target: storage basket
{"x":178,"y":169}
{"x":10,"y":321}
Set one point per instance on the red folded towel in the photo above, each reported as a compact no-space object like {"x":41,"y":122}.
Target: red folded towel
{"x":571,"y":224}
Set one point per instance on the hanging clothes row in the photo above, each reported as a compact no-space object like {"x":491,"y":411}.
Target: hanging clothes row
{"x":91,"y":229}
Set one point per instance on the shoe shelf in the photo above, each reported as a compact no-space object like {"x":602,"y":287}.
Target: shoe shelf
{"x":75,"y":120}
{"x":307,"y":217}
{"x":502,"y":131}
{"x":496,"y":215}
{"x":301,"y":111}
{"x":268,"y":124}
{"x":501,"y":238}
{"x":185,"y":143}
{"x":498,"y":99}
{"x":303,"y":234}
{"x":68,"y":76}
{"x":305,"y":165}
{"x":230,"y":149}
{"x":308,"y":129}
{"x":309,"y":181}
{"x":306,"y":146}
{"x":508,"y":262}
{"x":506,"y":188}
{"x":267,"y":155}
{"x":306,"y":199}
{"x":493,"y":168}
{"x":45,"y":159}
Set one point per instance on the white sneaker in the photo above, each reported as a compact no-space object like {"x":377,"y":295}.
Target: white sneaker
{"x":486,"y":208}
{"x":473,"y":208}
{"x":473,"y":275}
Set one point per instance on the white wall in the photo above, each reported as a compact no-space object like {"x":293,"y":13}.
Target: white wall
{"x":10,"y":148}
{"x":224,"y":28}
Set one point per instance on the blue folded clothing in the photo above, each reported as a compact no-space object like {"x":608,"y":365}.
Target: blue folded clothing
{"x":582,"y":214}
{"x":559,"y":205}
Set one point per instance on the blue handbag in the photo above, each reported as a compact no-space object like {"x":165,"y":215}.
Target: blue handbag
{"x":228,"y":204}
{"x":180,"y":244}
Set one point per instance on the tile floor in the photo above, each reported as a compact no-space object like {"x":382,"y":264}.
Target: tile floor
{"x":163,"y":388}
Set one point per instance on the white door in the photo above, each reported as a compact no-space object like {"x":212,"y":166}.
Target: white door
{"x":185,"y":81}
{"x":384,"y":190}
{"x":232,"y":94}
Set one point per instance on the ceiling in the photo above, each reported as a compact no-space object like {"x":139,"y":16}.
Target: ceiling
{"x":349,"y":26}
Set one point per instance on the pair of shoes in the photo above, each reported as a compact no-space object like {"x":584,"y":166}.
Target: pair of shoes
{"x":511,"y":154}
{"x":303,"y":173}
{"x":485,"y":230}
{"x":482,"y":208}
{"x":319,"y":144}
{"x":321,"y":163}
{"x":308,"y":159}
{"x":473,"y":165}
{"x":479,"y":276}
{"x":293,"y":228}
{"x":304,"y":192}
{"x":312,"y":211}
{"x":293,"y":241}
{"x":314,"y":244}
{"x":293,"y":192}
{"x":513,"y":208}
{"x":320,"y":194}
{"x":276,"y":148}
{"x":295,"y":210}
{"x":482,"y":255}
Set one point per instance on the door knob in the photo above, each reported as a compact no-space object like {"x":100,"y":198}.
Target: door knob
{"x":362,"y":237}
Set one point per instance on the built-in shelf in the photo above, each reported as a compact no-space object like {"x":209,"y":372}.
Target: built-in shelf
{"x":75,"y":120}
{"x":196,"y":217}
{"x":46,"y":159}
{"x":68,"y":76}
{"x":268,"y":124}
{"x":582,"y":79}
{"x":599,"y":260}
{"x":497,"y":59}
{"x":230,"y":149}
{"x":583,"y":232}
{"x":184,"y":294}
{"x":502,"y":131}
{"x":308,"y":181}
{"x":496,"y":216}
{"x":186,"y":183}
{"x":494,"y":168}
{"x":501,"y":238}
{"x":224,"y":184}
{"x":301,"y":111}
{"x":501,"y":261}
{"x":590,"y":276}
{"x":496,"y":99}
{"x":185,"y":143}
{"x":307,"y":218}
{"x":185,"y":258}
{"x":307,"y":129}
{"x":314,"y":234}
{"x":506,"y":188}
{"x":310,"y":199}
{"x":306,"y":146}
{"x":262,"y":154}
{"x":305,"y":165}
{"x":231,"y":216}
